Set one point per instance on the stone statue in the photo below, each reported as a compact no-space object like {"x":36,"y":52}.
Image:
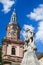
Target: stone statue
{"x":30,"y":57}
{"x":29,"y":39}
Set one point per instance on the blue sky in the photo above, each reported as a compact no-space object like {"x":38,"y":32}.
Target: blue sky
{"x":29,"y":13}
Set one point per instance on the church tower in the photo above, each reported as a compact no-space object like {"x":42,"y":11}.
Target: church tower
{"x":12,"y":46}
{"x":13,"y":29}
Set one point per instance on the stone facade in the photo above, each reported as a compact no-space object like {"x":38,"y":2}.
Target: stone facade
{"x":12,"y":46}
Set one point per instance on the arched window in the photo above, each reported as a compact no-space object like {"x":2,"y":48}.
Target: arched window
{"x":13,"y":51}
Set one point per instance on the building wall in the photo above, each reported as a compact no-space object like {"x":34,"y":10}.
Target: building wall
{"x":19,"y":50}
{"x":15,"y":63}
{"x":7,"y":64}
{"x":9,"y":49}
{"x":12,"y":63}
{"x":4,"y":50}
{"x":41,"y":61}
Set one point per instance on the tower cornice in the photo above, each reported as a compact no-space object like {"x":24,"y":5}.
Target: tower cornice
{"x":9,"y":41}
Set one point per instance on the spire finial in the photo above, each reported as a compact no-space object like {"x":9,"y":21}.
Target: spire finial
{"x":13,"y":18}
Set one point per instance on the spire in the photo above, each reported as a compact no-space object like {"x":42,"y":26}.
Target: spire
{"x":13,"y":18}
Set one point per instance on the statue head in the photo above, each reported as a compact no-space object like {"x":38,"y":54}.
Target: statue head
{"x":29,"y":34}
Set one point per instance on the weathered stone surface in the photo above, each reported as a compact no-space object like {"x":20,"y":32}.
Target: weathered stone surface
{"x":29,"y":49}
{"x":30,"y":58}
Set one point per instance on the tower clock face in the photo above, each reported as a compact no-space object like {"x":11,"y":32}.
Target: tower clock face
{"x":15,"y":34}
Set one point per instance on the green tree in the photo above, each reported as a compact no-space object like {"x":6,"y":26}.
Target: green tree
{"x":0,"y":55}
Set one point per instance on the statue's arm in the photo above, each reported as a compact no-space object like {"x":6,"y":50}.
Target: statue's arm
{"x":33,"y":45}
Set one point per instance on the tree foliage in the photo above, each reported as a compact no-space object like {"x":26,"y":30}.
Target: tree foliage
{"x":0,"y":55}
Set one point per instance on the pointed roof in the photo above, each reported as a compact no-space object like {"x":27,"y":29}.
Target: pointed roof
{"x":13,"y":18}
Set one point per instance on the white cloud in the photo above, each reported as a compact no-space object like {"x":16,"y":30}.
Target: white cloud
{"x":23,"y":31}
{"x":37,"y":13}
{"x":39,"y":34}
{"x":7,"y":4}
